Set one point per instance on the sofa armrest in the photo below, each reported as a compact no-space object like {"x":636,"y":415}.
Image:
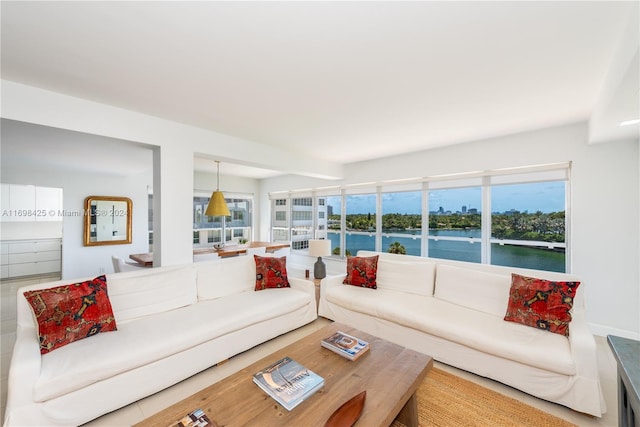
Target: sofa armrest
{"x":330,"y":281}
{"x":24,"y":369}
{"x":583,"y":346}
{"x":303,"y":285}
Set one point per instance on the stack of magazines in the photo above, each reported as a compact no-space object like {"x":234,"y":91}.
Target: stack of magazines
{"x":288,"y":382}
{"x":196,"y":418}
{"x":345,"y":345}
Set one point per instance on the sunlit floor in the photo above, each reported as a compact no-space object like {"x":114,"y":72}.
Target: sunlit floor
{"x":144,"y":408}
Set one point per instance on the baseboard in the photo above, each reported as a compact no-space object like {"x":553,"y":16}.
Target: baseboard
{"x":603,"y":331}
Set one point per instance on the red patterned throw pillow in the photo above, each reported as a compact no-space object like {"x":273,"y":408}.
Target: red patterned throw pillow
{"x":362,"y":271}
{"x":71,"y":312}
{"x":542,"y":304}
{"x":271,"y":272}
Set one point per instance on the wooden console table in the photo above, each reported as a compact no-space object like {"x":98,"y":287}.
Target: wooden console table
{"x":627,"y":355}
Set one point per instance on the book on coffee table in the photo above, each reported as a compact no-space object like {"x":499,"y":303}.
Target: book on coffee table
{"x":345,"y":345}
{"x":288,"y":382}
{"x":195,"y":418}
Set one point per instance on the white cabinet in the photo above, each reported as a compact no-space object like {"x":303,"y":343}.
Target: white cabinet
{"x":48,"y":204}
{"x":24,"y":203}
{"x":30,"y":257}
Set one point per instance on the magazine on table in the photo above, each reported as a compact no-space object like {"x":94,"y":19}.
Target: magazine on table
{"x":345,"y":345}
{"x":196,"y":418}
{"x":288,"y":382}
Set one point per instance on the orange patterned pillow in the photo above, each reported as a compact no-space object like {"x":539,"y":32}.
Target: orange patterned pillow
{"x":542,"y":304}
{"x":71,"y":312}
{"x":271,"y":272}
{"x":362,"y":271}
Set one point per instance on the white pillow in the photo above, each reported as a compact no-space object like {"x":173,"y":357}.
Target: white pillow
{"x":138,"y":294}
{"x":486,"y":292}
{"x":226,"y":276}
{"x":411,"y":277}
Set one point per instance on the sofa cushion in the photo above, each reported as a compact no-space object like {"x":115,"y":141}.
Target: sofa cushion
{"x":540,"y":303}
{"x":413,"y":277}
{"x":71,"y":312}
{"x":147,"y":339}
{"x":362,"y":271}
{"x":271,"y":272}
{"x":141,"y":293}
{"x":225,"y":277}
{"x":479,"y":290}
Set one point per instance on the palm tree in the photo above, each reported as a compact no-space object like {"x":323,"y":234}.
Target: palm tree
{"x":397,"y":248}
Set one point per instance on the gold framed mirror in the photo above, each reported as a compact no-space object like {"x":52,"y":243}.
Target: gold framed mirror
{"x":107,"y":220}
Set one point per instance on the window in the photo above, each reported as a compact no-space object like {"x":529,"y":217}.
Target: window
{"x":237,"y":226}
{"x":455,"y":230}
{"x":302,"y":225}
{"x":303,"y":201}
{"x":302,"y":215}
{"x":512,"y":217}
{"x":280,"y":227}
{"x":334,"y":222}
{"x":528,"y":225}
{"x":361,"y":223}
{"x":402,"y":222}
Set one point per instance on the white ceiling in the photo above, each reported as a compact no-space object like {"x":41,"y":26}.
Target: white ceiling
{"x":342,"y":81}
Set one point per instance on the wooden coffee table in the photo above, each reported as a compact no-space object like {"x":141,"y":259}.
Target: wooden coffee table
{"x":388,"y":372}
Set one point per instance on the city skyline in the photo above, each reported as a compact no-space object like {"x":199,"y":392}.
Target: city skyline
{"x":545,"y":197}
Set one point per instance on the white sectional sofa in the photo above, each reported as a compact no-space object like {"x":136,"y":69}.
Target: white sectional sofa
{"x":454,"y":311}
{"x":172,"y":322}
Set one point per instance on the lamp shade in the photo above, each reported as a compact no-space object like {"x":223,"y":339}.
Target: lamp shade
{"x":217,"y":206}
{"x":320,"y":247}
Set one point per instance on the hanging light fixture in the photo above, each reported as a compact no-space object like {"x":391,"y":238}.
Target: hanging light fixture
{"x":217,"y":206}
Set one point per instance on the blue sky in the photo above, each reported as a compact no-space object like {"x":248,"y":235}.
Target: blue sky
{"x":545,"y":197}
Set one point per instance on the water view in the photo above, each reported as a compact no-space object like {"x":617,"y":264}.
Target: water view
{"x":506,"y":255}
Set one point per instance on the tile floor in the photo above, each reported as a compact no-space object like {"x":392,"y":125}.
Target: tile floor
{"x":138,"y":411}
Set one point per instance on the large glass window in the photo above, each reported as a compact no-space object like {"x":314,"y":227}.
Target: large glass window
{"x":334,"y":222}
{"x":280,"y":221}
{"x":528,"y":225}
{"x":301,"y":222}
{"x":360,"y":223}
{"x":238,"y":225}
{"x":512,"y":217}
{"x":402,"y":222}
{"x":455,"y":226}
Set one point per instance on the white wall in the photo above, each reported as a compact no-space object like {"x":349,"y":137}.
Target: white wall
{"x":79,"y":260}
{"x":174,"y":144}
{"x":605,"y":205}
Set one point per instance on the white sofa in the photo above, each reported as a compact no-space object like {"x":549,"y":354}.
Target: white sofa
{"x":454,"y":311}
{"x":172,"y":323}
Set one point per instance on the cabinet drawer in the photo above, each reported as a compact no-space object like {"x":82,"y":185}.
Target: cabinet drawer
{"x":44,"y":245}
{"x":34,"y":257}
{"x":47,"y":267}
{"x":22,"y":247}
{"x":31,"y":268}
{"x":4,"y":259}
{"x":24,"y":269}
{"x":5,"y":271}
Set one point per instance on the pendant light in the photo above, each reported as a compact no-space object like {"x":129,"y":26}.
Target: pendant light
{"x":217,"y":206}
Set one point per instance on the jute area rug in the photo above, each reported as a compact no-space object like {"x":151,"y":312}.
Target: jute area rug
{"x":445,"y":400}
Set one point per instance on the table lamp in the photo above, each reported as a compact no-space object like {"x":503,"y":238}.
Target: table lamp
{"x":319,"y":248}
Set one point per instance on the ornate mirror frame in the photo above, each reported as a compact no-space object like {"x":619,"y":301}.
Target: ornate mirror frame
{"x":107,"y":220}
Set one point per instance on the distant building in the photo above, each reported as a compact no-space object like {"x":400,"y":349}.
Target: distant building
{"x":303,"y":224}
